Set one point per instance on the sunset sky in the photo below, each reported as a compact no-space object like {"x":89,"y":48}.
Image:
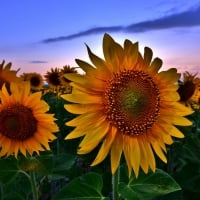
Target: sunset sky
{"x":37,"y":35}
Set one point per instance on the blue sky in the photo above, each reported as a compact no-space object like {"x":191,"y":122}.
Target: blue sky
{"x":38,"y":35}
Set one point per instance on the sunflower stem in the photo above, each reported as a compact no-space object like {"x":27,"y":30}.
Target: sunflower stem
{"x":33,"y":185}
{"x":115,"y":183}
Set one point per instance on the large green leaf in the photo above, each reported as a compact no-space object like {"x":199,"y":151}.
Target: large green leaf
{"x":85,"y":187}
{"x":147,"y":186}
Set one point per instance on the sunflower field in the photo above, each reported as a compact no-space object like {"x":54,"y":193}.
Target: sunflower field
{"x":118,"y":128}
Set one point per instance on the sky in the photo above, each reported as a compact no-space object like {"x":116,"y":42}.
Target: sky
{"x":37,"y":35}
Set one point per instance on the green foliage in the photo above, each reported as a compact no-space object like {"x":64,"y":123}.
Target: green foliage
{"x":62,"y":174}
{"x":146,"y":186}
{"x":87,"y":186}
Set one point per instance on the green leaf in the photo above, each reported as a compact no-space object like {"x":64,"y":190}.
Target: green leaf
{"x":147,"y":186}
{"x":64,"y":162}
{"x":62,"y":165}
{"x":20,"y":189}
{"x":8,"y":170}
{"x":85,"y":187}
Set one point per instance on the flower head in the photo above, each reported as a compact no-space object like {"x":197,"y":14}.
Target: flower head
{"x":65,"y":70}
{"x":187,"y":88}
{"x":53,"y":77}
{"x":7,"y":75}
{"x":24,"y":124}
{"x":36,"y":80}
{"x":126,"y":106}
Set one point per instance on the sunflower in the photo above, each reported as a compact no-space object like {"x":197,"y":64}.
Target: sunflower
{"x":7,"y":75}
{"x":187,"y":88}
{"x":36,"y":80}
{"x":53,"y":77}
{"x":195,"y":99}
{"x":24,"y":124}
{"x":125,"y":106}
{"x":65,"y":70}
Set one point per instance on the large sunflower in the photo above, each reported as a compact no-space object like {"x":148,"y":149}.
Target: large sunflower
{"x":125,"y":105}
{"x":24,"y":124}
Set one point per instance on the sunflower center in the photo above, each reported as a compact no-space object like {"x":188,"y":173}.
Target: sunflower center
{"x":54,"y":79}
{"x":17,"y":122}
{"x":35,"y":81}
{"x":132,"y":102}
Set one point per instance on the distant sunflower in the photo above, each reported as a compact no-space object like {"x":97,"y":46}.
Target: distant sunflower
{"x":125,"y":105}
{"x":24,"y":124}
{"x":187,"y":87}
{"x":7,"y":75}
{"x":65,"y":70}
{"x":53,"y":77}
{"x":36,"y":80}
{"x":195,"y":99}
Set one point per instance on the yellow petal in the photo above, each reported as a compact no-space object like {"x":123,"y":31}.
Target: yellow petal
{"x":105,"y":147}
{"x":182,"y":110}
{"x":98,"y":62}
{"x":158,"y":151}
{"x":170,"y":96}
{"x":150,"y":155}
{"x":94,"y":86}
{"x":167,"y":139}
{"x":173,"y":131}
{"x":134,"y":154}
{"x":181,"y":121}
{"x":95,"y":135}
{"x":89,"y":69}
{"x":143,"y":158}
{"x":83,"y":129}
{"x":83,"y":98}
{"x":116,"y":151}
{"x":156,"y":65}
{"x":130,"y":53}
{"x":148,"y":57}
{"x":113,"y":53}
{"x":176,"y":108}
{"x":84,"y":118}
{"x":170,"y":76}
{"x":81,"y":109}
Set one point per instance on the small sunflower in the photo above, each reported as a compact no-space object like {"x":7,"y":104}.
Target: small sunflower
{"x":65,"y":70}
{"x":126,"y":106}
{"x":7,"y":75}
{"x":187,"y":87}
{"x":53,"y":77}
{"x":24,"y":124}
{"x":36,"y":80}
{"x":195,"y":98}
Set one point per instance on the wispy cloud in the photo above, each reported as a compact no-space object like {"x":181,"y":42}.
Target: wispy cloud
{"x":37,"y":61}
{"x":84,"y":33}
{"x":187,"y":18}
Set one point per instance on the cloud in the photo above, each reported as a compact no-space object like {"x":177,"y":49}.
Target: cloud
{"x":187,"y":18}
{"x":37,"y":61}
{"x":84,"y":33}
